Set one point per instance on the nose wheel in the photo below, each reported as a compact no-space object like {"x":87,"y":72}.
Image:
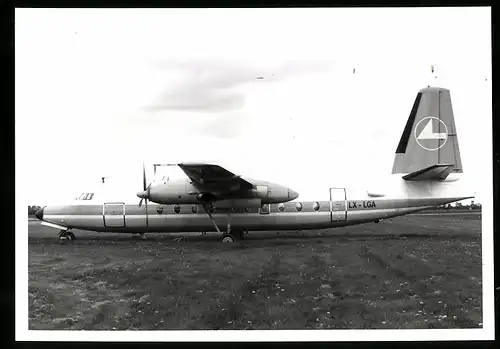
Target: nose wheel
{"x":66,"y":235}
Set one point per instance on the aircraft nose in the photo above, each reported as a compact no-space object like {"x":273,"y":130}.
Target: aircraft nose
{"x":292,"y":194}
{"x":39,"y":213}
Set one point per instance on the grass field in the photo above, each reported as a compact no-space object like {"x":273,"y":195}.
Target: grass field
{"x":410,"y":272}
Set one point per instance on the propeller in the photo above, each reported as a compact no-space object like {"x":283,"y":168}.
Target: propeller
{"x":144,"y":195}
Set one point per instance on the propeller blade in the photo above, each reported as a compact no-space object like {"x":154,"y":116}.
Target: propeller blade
{"x":143,"y":176}
{"x":144,"y":195}
{"x":143,"y":185}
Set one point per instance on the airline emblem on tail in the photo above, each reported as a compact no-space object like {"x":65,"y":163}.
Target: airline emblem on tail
{"x":428,"y":134}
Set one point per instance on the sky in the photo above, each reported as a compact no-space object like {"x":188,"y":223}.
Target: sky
{"x":100,"y":91}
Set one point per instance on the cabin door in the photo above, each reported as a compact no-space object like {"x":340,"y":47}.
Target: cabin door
{"x":338,"y":204}
{"x":114,"y":214}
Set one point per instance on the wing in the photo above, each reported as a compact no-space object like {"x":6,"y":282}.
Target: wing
{"x":215,"y":177}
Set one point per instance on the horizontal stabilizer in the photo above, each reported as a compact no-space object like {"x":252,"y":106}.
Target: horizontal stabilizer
{"x":434,"y":172}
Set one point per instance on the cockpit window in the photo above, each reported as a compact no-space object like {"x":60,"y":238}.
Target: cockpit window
{"x":85,"y":196}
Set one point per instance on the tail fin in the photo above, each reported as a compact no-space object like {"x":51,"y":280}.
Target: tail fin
{"x":428,"y":148}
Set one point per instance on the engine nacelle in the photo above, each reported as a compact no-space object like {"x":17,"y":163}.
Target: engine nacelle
{"x":172,"y":192}
{"x":261,"y":191}
{"x":184,"y":192}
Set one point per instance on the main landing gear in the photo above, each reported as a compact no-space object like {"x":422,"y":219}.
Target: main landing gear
{"x":227,"y":236}
{"x":65,"y":235}
{"x":237,"y":235}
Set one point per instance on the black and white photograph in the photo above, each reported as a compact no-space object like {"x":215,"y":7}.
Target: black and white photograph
{"x":254,"y":174}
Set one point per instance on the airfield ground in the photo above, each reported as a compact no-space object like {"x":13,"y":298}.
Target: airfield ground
{"x":417,"y":271}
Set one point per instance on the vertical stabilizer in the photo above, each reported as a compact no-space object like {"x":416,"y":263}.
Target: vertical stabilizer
{"x":429,"y":139}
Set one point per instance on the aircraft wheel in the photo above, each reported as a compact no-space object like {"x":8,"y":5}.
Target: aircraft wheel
{"x":227,"y":239}
{"x":66,"y":235}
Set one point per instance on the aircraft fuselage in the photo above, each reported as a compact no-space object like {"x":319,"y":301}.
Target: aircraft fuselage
{"x":342,"y":207}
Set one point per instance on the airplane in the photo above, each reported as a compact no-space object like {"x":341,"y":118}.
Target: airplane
{"x":426,"y":173}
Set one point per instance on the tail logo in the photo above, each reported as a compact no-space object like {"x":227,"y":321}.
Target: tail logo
{"x":427,"y":137}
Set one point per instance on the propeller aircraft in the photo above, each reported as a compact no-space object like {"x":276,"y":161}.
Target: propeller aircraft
{"x":426,"y":172}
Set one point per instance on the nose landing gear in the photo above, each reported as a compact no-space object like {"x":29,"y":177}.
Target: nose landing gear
{"x":65,"y":235}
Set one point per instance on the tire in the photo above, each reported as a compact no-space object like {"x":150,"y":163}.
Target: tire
{"x":70,"y":236}
{"x":228,"y":239}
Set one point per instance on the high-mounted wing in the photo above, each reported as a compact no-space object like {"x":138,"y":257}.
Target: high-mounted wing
{"x":215,"y":177}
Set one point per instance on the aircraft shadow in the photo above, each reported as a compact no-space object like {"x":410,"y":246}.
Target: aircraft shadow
{"x":270,"y":238}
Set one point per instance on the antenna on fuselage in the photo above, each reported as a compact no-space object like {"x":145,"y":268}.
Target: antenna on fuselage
{"x":160,"y":165}
{"x":103,"y":179}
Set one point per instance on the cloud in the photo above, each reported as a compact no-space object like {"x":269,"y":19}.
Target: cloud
{"x":222,"y":85}
{"x":228,"y":126}
{"x":198,"y":98}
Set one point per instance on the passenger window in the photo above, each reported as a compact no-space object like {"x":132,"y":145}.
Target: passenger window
{"x":177,"y":208}
{"x":298,"y":206}
{"x":316,"y":206}
{"x":281,"y":207}
{"x":264,"y":208}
